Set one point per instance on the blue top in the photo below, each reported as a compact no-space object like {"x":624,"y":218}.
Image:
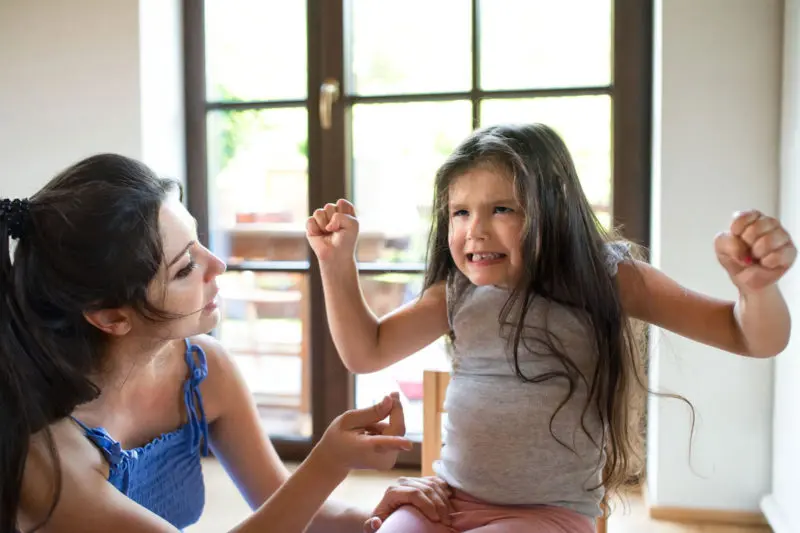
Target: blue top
{"x":165,"y":475}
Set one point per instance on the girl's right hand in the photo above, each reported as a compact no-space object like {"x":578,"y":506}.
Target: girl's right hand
{"x":359,"y":439}
{"x":429,"y":495}
{"x":332,"y":231}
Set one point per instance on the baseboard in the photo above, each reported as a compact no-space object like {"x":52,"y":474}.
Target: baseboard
{"x":775,"y":517}
{"x":702,"y":516}
{"x":706,"y":516}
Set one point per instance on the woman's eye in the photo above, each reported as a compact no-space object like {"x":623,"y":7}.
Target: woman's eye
{"x":185,"y":271}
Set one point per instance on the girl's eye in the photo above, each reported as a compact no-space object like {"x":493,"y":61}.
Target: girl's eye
{"x":460,"y":213}
{"x":501,"y":209}
{"x":185,"y":271}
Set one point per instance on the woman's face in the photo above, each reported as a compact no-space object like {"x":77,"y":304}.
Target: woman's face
{"x":186,"y":284}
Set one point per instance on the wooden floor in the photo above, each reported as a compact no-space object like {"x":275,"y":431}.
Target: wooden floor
{"x":225,"y":507}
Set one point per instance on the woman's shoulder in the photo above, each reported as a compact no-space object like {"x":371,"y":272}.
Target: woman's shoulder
{"x":221,"y":375}
{"x":76,"y":457}
{"x":73,"y":447}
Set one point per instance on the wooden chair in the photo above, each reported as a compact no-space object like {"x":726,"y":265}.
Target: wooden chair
{"x":434,"y":386}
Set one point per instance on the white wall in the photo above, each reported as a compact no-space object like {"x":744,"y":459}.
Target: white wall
{"x":716,"y":124}
{"x":781,"y":506}
{"x":69,"y":86}
{"x":161,"y":68}
{"x":79,"y":77}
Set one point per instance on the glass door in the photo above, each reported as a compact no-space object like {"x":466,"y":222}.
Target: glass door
{"x":292,"y":104}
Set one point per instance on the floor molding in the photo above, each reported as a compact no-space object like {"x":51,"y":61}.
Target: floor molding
{"x":703,"y":516}
{"x":707,"y":516}
{"x":776,"y":518}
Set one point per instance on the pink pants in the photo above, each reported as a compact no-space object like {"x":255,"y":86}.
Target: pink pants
{"x":473,"y":515}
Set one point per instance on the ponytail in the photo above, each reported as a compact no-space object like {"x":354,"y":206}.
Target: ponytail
{"x":15,"y":415}
{"x":34,"y":390}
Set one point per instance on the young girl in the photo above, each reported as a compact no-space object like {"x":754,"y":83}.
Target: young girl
{"x":110,"y":392}
{"x":536,"y":298}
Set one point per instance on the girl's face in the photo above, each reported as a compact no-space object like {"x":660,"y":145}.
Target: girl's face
{"x":186,"y":284}
{"x":486,"y":225}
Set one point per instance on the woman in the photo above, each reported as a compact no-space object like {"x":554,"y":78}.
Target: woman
{"x":110,"y":392}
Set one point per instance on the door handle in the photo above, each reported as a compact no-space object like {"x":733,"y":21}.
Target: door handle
{"x":328,"y":94}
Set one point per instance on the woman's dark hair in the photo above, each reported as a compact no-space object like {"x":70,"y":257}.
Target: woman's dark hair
{"x":565,"y":253}
{"x":88,"y":240}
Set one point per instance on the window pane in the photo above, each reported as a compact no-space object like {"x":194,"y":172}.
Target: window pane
{"x":255,"y":50}
{"x":384,"y":293}
{"x":416,"y":46}
{"x":541,"y":43}
{"x":265,"y":328}
{"x":584,"y":122}
{"x":258,"y":184}
{"x":397,"y":149}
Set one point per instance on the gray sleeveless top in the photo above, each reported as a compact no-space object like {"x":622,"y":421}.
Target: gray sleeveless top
{"x":498,"y":445}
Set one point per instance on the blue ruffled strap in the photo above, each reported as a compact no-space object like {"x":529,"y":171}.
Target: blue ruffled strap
{"x":117,"y":458}
{"x":198,"y":370}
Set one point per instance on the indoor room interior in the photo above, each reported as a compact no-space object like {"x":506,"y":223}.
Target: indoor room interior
{"x":678,"y":113}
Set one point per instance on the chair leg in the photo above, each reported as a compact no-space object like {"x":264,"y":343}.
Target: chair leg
{"x":431,"y":418}
{"x":602,"y":522}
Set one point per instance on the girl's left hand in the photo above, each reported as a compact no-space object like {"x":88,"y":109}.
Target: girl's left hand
{"x":756,"y":251}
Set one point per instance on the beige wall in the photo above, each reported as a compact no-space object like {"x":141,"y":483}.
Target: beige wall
{"x":69,"y":86}
{"x":716,"y":124}
{"x":79,"y":77}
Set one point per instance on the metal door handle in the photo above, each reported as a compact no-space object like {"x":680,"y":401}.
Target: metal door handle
{"x":328,"y":94}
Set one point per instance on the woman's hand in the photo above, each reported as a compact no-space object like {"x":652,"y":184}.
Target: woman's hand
{"x":360,"y":439}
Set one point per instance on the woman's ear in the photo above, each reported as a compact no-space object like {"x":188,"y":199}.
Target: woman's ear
{"x":111,"y":321}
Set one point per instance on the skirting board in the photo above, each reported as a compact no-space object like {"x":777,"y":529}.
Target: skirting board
{"x":703,"y":516}
{"x":707,"y":516}
{"x":777,"y":520}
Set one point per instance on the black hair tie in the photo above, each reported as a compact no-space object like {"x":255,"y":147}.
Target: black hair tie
{"x":15,"y":213}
